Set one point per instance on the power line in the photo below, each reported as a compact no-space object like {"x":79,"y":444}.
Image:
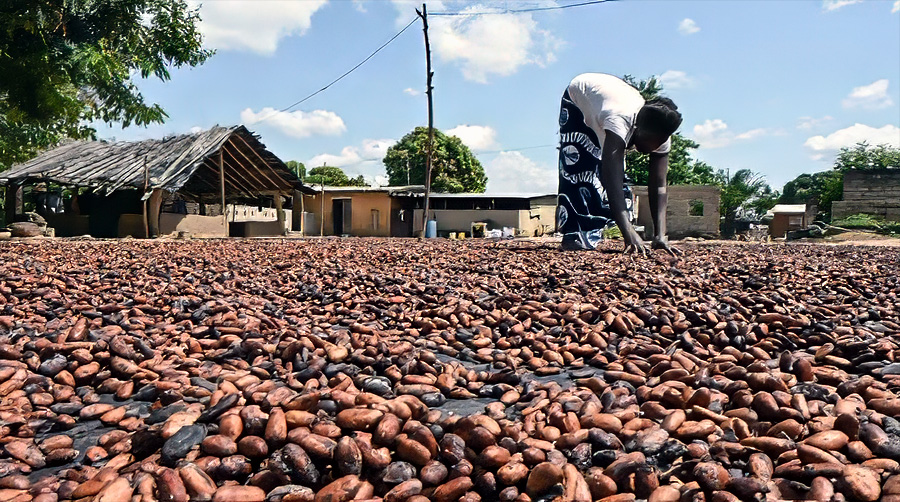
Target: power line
{"x":348,"y":72}
{"x":516,"y":11}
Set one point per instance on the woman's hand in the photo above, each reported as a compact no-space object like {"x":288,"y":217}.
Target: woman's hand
{"x":663,"y":243}
{"x":634,"y":244}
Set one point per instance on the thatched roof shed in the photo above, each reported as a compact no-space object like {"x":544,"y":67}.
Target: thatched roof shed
{"x":187,"y":163}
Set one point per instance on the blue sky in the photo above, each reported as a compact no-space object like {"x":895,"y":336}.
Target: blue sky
{"x":777,"y":87}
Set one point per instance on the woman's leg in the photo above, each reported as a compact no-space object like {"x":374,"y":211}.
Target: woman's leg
{"x":582,"y":209}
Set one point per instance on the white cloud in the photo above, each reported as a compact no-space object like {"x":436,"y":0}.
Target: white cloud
{"x":752,"y":133}
{"x":412,"y":92}
{"x":497,"y":44}
{"x":872,"y":96}
{"x":254,"y":26}
{"x":514,"y":172}
{"x":688,"y":26}
{"x":830,"y":5}
{"x":896,"y":7}
{"x":807,"y":123}
{"x":196,"y":129}
{"x":297,"y":124}
{"x":850,"y":136}
{"x":674,"y":79}
{"x":364,"y":159}
{"x":715,"y":133}
{"x":478,"y":138}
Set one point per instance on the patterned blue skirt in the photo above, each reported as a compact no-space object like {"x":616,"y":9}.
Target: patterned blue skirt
{"x":582,"y":211}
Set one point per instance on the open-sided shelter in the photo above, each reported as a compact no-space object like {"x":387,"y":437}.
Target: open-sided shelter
{"x":142,"y":188}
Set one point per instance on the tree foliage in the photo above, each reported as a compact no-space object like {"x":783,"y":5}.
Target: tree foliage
{"x":333,"y":176}
{"x":649,"y":89}
{"x":67,"y":63}
{"x":683,"y":169}
{"x":745,"y":193}
{"x":297,"y":168}
{"x":865,"y":157}
{"x":454,"y":167}
{"x":825,"y":187}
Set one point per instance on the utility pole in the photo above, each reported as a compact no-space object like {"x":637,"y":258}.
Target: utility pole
{"x":429,"y":147}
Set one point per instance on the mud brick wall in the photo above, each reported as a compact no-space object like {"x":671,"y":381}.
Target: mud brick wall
{"x":870,"y":192}
{"x":679,"y":220}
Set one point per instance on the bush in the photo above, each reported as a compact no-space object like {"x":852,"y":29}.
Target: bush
{"x":869,"y":222}
{"x":865,"y":221}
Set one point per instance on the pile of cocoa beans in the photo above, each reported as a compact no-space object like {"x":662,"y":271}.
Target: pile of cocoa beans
{"x":404,"y":370}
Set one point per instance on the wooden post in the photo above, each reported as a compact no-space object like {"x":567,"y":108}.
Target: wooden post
{"x":279,"y":212}
{"x":429,"y":146}
{"x":222,"y":190}
{"x":296,"y":218}
{"x":322,"y":216}
{"x":155,"y":203}
{"x":146,"y":184}
{"x":12,"y":201}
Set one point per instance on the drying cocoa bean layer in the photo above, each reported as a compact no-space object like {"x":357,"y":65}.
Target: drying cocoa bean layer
{"x":402,"y":370}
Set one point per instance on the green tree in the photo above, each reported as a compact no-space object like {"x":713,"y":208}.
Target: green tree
{"x":649,"y":89}
{"x":297,"y":168}
{"x":864,"y":157}
{"x":67,"y":63}
{"x":333,"y":176}
{"x":825,"y":187}
{"x":744,"y":193}
{"x":454,"y":167}
{"x":683,"y":169}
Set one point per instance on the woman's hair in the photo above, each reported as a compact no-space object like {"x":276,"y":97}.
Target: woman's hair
{"x":659,"y":116}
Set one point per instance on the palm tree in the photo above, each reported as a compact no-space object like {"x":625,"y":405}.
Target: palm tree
{"x":740,"y":194}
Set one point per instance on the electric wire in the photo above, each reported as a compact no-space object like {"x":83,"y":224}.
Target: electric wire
{"x":517,"y":11}
{"x":348,"y":72}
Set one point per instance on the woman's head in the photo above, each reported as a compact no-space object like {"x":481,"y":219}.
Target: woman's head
{"x":656,"y":121}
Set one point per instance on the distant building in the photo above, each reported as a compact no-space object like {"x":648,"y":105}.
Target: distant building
{"x":692,"y":211}
{"x":398,"y":211}
{"x":359,"y":211}
{"x":790,"y":217}
{"x":527,"y":214}
{"x":870,"y":192}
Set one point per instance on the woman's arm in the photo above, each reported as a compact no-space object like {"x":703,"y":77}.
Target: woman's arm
{"x":657,"y":193}
{"x":612,"y":176}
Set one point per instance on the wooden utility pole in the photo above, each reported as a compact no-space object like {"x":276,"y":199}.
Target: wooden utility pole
{"x":429,"y":146}
{"x":146,"y":184}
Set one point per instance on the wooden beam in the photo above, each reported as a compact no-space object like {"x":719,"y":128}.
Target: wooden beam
{"x":222,"y":189}
{"x":275,"y":184}
{"x":250,"y":185}
{"x":231,"y":179}
{"x":259,"y":183}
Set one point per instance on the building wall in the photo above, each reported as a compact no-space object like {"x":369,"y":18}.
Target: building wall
{"x":362,"y":204}
{"x":194,"y":225}
{"x":679,"y":222}
{"x":783,"y":222}
{"x":535,"y":222}
{"x":69,"y":225}
{"x":870,"y":192}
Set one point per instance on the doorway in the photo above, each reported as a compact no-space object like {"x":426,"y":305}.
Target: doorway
{"x":342,"y":216}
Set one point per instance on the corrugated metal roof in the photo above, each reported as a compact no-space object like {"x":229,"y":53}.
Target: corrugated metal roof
{"x":788,"y":208}
{"x":507,"y":195}
{"x":172,"y":162}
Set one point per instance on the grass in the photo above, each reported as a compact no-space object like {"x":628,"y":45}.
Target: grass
{"x":869,"y":222}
